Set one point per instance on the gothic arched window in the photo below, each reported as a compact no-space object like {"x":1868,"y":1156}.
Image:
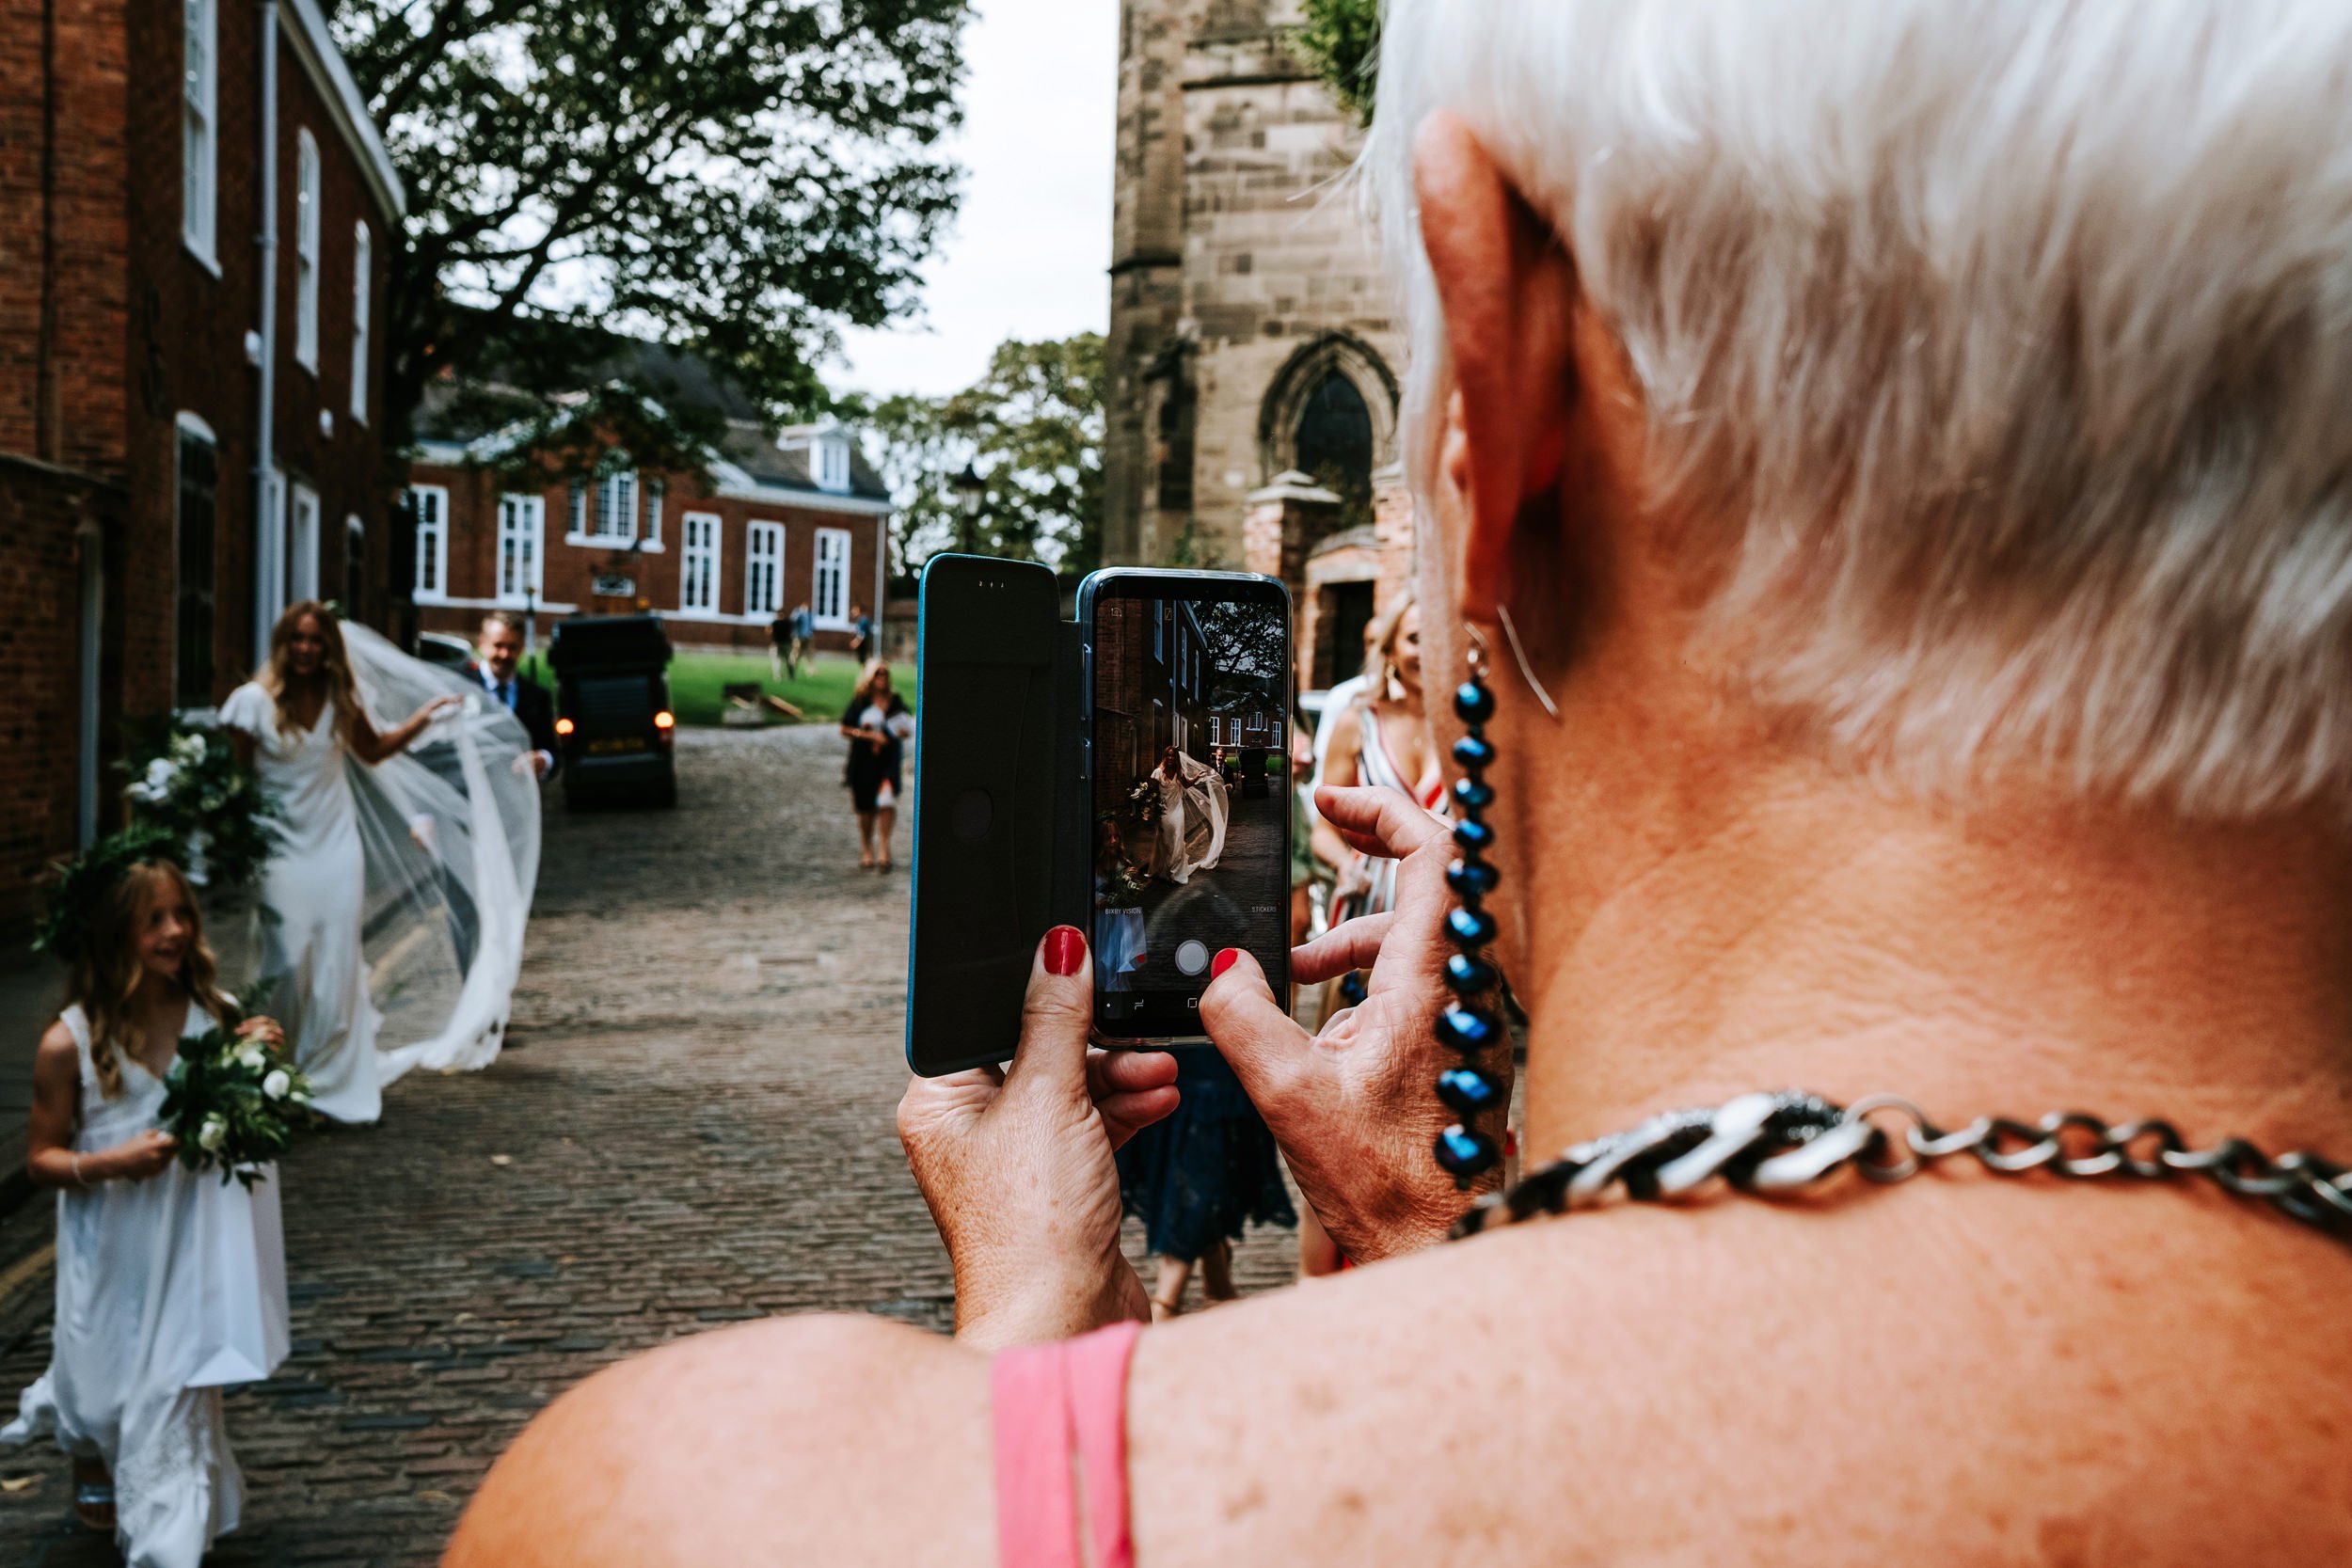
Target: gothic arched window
{"x":1334,"y":436}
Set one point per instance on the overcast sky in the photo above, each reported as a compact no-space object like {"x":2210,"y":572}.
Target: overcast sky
{"x":1027,"y":255}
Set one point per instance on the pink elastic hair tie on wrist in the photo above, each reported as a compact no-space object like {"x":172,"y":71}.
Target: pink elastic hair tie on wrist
{"x":1061,"y":1451}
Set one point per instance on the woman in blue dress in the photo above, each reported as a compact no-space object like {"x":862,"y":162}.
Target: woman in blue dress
{"x":1196,"y":1178}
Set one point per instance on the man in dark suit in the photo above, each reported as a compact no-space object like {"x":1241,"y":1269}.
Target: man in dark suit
{"x":497,"y":669}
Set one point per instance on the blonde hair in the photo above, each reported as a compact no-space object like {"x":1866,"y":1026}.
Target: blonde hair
{"x":343,"y":691}
{"x":2003,"y":346}
{"x":874,"y":670}
{"x":105,"y":972}
{"x":1380,"y":639}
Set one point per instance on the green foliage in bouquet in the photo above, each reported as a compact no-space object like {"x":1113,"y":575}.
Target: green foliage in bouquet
{"x":189,"y":781}
{"x":1143,"y":802}
{"x":234,"y":1103}
{"x":1124,"y":887}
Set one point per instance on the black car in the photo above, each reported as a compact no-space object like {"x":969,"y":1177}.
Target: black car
{"x":612,"y":709}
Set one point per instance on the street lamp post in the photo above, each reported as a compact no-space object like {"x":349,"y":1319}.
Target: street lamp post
{"x":970,"y":489}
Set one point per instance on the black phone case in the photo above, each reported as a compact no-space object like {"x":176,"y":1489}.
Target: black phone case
{"x":1000,"y":850}
{"x":1003,"y":803}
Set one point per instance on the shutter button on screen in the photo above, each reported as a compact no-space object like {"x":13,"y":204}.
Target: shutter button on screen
{"x":1192,"y":956}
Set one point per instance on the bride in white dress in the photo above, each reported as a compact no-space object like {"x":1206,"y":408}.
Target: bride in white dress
{"x":1193,"y":813}
{"x":400,"y":881}
{"x":171,"y":1283}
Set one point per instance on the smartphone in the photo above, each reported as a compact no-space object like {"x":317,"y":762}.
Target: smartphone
{"x":1184,"y":745}
{"x":998,"y":803}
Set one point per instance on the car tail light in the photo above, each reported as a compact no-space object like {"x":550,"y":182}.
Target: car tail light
{"x":664,"y":720}
{"x":563,"y":726}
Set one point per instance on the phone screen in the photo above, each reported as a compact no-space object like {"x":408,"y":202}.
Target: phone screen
{"x":1188,"y":747}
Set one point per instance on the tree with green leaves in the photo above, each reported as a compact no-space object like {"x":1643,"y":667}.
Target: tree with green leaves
{"x":1031,"y":429}
{"x":1341,"y":39}
{"x":738,"y":179}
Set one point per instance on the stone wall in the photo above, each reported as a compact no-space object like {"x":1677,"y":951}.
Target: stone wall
{"x":1242,"y":277}
{"x":1278,"y":279}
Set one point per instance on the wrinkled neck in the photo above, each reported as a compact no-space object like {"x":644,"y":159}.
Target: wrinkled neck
{"x":2031,"y":958}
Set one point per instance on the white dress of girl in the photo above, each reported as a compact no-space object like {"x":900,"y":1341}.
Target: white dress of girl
{"x":314,"y":976}
{"x":169,"y":1290}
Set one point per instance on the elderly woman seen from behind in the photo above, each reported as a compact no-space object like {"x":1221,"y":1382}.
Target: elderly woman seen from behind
{"x":1913,"y":442}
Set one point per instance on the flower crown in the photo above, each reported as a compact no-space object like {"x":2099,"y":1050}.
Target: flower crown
{"x":81,"y":886}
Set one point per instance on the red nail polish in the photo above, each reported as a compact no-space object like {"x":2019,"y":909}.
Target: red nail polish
{"x":1065,"y":950}
{"x":1223,"y":961}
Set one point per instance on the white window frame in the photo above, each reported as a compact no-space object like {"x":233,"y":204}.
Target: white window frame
{"x":302,"y":546}
{"x":763,"y":570}
{"x":200,"y":131}
{"x":355,"y":543}
{"x":431,"y":542}
{"x":594,"y":504}
{"x":829,"y":464}
{"x":522,"y":530}
{"x":652,"y":491}
{"x":306,"y":250}
{"x":363,"y":310}
{"x":838,"y":543}
{"x":699,"y":549}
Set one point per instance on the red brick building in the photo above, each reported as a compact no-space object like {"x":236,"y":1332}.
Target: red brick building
{"x":177,"y":459}
{"x":780,"y":519}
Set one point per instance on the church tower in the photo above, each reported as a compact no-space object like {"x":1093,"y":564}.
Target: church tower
{"x":1147,"y":271}
{"x":1251,"y":394}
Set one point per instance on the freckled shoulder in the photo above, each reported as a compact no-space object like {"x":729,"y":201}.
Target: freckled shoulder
{"x":796,"y":1440}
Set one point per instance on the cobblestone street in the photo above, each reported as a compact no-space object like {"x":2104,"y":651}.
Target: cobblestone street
{"x":692,"y":1126}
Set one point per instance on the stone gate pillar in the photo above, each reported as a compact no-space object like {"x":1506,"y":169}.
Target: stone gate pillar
{"x":1280,"y":525}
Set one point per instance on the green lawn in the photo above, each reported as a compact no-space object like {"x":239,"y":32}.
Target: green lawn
{"x":696,"y":677}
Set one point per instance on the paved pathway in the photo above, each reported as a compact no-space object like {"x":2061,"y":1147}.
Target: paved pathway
{"x":694,"y":1127}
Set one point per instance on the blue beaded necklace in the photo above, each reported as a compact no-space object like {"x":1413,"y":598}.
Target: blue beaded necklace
{"x":1470,"y":1024}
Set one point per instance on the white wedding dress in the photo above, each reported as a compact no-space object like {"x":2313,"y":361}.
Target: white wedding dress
{"x":312,"y":978}
{"x":1192,"y":819}
{"x":169,"y":1290}
{"x":396,"y":903}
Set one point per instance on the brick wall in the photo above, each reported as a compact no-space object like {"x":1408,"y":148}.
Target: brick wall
{"x":43,"y":514}
{"x":61,"y":235}
{"x":111,"y":330}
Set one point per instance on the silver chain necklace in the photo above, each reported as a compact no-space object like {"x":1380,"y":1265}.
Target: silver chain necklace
{"x":1766,"y":1143}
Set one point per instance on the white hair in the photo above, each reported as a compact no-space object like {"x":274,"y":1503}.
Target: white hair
{"x":2009,"y":341}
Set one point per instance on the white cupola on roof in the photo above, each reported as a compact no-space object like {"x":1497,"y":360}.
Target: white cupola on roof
{"x":831,"y":462}
{"x":828,"y":449}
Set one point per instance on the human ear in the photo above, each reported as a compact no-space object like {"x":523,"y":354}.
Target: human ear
{"x":1508,"y":289}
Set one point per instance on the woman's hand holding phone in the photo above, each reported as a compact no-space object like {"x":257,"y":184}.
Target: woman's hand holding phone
{"x":1017,"y":1165}
{"x":1353,"y":1106}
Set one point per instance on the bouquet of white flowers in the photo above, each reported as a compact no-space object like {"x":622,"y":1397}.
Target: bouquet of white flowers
{"x":235,"y":1102}
{"x":190,"y":781}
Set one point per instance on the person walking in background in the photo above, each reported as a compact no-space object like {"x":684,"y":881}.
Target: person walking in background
{"x":798,"y":634}
{"x":780,"y":643}
{"x":171,"y":1281}
{"x":861,"y":633}
{"x":1197,"y":1179}
{"x":499,"y":671}
{"x":877,"y":725}
{"x":300,"y":721}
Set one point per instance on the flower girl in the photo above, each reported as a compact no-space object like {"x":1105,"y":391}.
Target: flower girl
{"x":171,"y":1282}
